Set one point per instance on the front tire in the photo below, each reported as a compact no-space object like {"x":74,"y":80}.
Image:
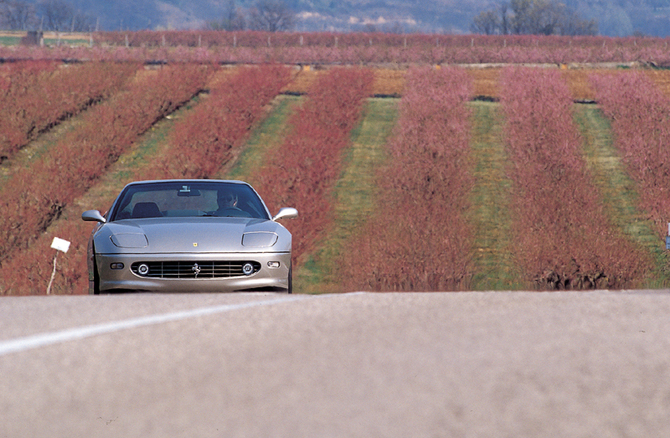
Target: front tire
{"x":94,"y":282}
{"x":290,"y":280}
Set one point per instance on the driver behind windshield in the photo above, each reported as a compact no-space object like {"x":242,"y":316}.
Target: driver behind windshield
{"x":228,"y":205}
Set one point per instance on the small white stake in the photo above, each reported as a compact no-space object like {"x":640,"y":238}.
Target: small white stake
{"x":58,"y":245}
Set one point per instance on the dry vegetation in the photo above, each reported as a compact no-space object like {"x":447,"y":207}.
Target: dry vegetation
{"x":662,"y":79}
{"x":389,"y":82}
{"x":419,"y":235}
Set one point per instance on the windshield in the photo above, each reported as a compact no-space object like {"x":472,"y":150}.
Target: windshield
{"x":188,"y":199}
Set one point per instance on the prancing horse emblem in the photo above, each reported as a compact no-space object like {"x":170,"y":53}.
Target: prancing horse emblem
{"x":196,"y":270}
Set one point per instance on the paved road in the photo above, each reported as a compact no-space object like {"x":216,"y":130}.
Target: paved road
{"x":352,"y":365}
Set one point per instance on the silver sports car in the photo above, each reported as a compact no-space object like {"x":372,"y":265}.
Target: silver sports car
{"x":189,"y":236}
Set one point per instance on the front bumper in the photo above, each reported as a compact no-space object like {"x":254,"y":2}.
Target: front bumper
{"x":267,"y":277}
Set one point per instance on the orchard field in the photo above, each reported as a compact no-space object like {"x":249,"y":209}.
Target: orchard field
{"x":408,"y":176}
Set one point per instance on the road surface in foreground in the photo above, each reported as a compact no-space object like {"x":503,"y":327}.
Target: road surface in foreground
{"x":473,"y":364}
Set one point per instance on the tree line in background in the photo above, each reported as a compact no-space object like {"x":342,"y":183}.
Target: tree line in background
{"x":516,"y":17}
{"x":532,"y":17}
{"x":60,"y":16}
{"x":265,"y":15}
{"x":50,"y":15}
{"x":502,"y":17}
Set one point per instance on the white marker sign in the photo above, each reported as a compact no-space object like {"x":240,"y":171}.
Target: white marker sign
{"x":60,"y":244}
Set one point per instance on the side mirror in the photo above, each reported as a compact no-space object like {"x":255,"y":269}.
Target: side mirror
{"x":286,"y":213}
{"x":93,"y":216}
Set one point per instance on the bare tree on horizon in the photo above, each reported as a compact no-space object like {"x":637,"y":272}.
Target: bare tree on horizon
{"x":17,"y":15}
{"x":233,"y":19}
{"x":61,"y":16}
{"x":532,"y":17}
{"x":271,"y":16}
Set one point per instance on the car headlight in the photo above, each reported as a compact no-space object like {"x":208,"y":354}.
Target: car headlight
{"x":259,"y":239}
{"x":130,"y":240}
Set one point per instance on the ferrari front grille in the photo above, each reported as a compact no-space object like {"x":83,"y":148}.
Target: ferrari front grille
{"x":195,"y":270}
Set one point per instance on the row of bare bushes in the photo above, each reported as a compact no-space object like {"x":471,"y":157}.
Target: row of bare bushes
{"x":563,"y":236}
{"x":253,"y":39}
{"x":197,"y":146}
{"x":35,"y":95}
{"x":419,"y":239}
{"x":301,"y":173}
{"x":357,"y":47}
{"x":640,"y":116}
{"x":35,"y":196}
{"x":201,"y":144}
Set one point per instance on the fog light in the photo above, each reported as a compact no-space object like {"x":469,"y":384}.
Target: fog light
{"x":248,"y":269}
{"x":143,"y":269}
{"x":273,"y":265}
{"x":116,"y":266}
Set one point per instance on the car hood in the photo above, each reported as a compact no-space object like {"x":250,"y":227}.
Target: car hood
{"x":191,"y":235}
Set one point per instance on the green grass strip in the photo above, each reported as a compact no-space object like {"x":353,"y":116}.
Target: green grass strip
{"x":494,"y":260}
{"x":10,"y":40}
{"x":354,"y":196}
{"x":618,"y":190}
{"x":37,"y":148}
{"x":16,"y":40}
{"x":267,"y":136}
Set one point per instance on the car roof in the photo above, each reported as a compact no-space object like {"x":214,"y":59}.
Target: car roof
{"x":158,"y":181}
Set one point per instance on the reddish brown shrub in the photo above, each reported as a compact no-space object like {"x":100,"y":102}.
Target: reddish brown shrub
{"x":303,"y":170}
{"x":37,"y":95}
{"x":202,"y":143}
{"x":419,"y":239}
{"x":640,"y":115}
{"x":564,"y":238}
{"x":29,"y":270}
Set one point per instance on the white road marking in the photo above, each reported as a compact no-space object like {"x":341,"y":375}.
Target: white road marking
{"x":51,"y":338}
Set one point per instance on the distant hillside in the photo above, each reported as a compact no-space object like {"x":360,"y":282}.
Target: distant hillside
{"x":614,"y":17}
